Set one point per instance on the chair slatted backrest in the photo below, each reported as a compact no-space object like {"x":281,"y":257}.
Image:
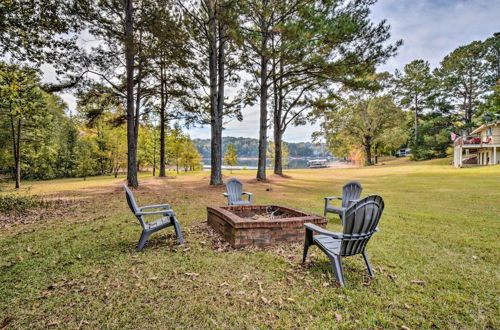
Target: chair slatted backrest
{"x":351,"y":190}
{"x":360,"y":222}
{"x":234,"y":188}
{"x":133,"y":205}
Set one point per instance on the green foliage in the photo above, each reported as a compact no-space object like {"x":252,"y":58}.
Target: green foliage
{"x":16,"y":203}
{"x":190,"y":159}
{"x":285,"y":152}
{"x":366,"y":122}
{"x":182,"y":151}
{"x":460,"y":94}
{"x":435,"y":138}
{"x":86,"y":163}
{"x":414,"y":88}
{"x":248,"y":147}
{"x":465,"y":79}
{"x":37,"y":31}
{"x":231,"y":156}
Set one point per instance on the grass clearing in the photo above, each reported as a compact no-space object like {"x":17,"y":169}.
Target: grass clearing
{"x":436,"y":259}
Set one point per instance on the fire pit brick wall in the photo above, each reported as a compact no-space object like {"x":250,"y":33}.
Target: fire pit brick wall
{"x":241,"y":232}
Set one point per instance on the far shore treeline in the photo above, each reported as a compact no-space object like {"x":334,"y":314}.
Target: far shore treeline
{"x":145,"y":71}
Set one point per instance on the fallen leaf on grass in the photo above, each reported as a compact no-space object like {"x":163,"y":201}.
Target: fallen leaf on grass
{"x":408,"y":306}
{"x":224,"y":284}
{"x":266,"y":301}
{"x":21,"y":258}
{"x":6,"y":321}
{"x":325,"y":284}
{"x":44,"y":295}
{"x":404,"y":327}
{"x":53,"y":324}
{"x":338,"y":317}
{"x":154,"y":278}
{"x":417,"y":281}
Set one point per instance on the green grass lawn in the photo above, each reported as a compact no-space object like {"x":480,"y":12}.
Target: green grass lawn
{"x":436,"y":258}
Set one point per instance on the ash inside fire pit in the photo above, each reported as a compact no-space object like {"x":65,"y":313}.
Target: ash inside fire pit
{"x":269,"y":213}
{"x":260,"y":225}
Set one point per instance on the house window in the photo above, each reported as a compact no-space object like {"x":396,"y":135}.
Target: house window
{"x":488,"y":132}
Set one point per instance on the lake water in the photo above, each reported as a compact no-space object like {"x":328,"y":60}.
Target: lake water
{"x":251,"y":164}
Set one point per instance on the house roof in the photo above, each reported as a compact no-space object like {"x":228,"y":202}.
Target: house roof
{"x":483,"y":127}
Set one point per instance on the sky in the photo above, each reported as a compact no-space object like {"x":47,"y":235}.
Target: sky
{"x":430,"y":30}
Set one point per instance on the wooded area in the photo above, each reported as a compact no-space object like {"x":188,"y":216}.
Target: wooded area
{"x":154,"y":65}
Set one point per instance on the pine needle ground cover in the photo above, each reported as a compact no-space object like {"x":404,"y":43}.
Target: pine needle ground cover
{"x":436,"y":257}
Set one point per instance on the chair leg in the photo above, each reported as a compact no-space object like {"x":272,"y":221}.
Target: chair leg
{"x":337,"y":268}
{"x":308,"y":240}
{"x":367,"y":261}
{"x":178,"y":232}
{"x":142,"y":240}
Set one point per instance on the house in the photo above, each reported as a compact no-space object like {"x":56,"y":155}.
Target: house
{"x":403,"y":152}
{"x":481,"y":147}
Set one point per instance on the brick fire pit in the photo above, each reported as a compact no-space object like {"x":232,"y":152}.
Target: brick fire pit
{"x":260,"y":225}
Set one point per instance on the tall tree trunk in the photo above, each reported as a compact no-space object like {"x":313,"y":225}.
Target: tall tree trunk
{"x":368,"y":150}
{"x":215,"y":124}
{"x":416,"y":120}
{"x":261,"y":169}
{"x":162,"y":117}
{"x":129,"y":62}
{"x":154,"y":152}
{"x":278,"y":156}
{"x":278,"y":123}
{"x":221,"y":66}
{"x":16,"y":144}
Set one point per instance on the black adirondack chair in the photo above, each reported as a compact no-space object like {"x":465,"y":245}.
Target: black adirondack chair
{"x":168,"y":219}
{"x":361,"y":219}
{"x":350,"y":192}
{"x":234,"y":193}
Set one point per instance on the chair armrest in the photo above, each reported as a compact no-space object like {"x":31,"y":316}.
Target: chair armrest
{"x":163,"y":206}
{"x":350,"y":202}
{"x":250,"y":196}
{"x":322,"y":231}
{"x":155,"y":212}
{"x":328,"y":199}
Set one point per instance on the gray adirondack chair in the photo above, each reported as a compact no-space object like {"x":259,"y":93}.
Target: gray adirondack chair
{"x":361,"y":219}
{"x":350,"y":192}
{"x":234,"y":193}
{"x":167,"y":220}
